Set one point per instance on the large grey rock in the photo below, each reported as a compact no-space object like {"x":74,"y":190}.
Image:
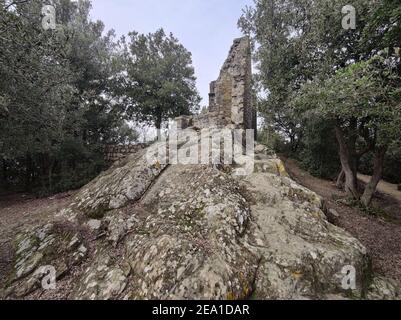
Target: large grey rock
{"x":302,"y":254}
{"x":122,"y":184}
{"x":105,"y":279}
{"x":384,"y":289}
{"x":61,"y":247}
{"x":195,"y":232}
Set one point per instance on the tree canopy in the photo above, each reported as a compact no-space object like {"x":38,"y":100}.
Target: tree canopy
{"x":160,"y":78}
{"x":318,"y":77}
{"x":68,"y":92}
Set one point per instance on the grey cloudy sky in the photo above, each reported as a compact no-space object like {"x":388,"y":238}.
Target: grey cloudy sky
{"x":205,"y":27}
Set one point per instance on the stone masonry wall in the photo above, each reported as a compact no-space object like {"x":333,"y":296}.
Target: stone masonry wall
{"x":230,"y":101}
{"x":230,"y":97}
{"x":115,"y":153}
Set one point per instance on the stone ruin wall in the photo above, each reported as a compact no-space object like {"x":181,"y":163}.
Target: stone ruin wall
{"x":230,"y":101}
{"x":116,"y":153}
{"x":230,"y":97}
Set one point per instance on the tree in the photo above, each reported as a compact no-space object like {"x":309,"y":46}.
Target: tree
{"x":160,"y":82}
{"x":35,"y":79}
{"x":297,"y":41}
{"x":383,"y":28}
{"x":363,"y":100}
{"x":302,"y":44}
{"x":58,"y":95}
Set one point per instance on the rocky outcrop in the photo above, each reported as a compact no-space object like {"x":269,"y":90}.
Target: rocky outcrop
{"x":194,"y":232}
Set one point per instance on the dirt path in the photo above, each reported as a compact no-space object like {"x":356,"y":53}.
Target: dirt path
{"x":384,"y":187}
{"x":381,"y":235}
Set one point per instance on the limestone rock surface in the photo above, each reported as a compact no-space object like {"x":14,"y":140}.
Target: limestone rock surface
{"x":146,"y":231}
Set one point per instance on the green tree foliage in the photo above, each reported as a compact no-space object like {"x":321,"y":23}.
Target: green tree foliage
{"x":318,"y":150}
{"x":68,"y":92}
{"x":57,"y":104}
{"x":306,"y":59}
{"x":298,"y":40}
{"x":363,"y":101}
{"x":160,"y":80}
{"x":383,"y":28}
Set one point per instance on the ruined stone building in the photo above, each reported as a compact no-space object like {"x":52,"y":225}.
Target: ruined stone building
{"x":230,"y":101}
{"x":230,"y":97}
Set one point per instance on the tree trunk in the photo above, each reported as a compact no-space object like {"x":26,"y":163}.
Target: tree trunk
{"x":376,"y":177}
{"x":348,"y":163}
{"x":340,"y":180}
{"x":158,"y":124}
{"x":4,"y":174}
{"x":28,"y":173}
{"x":292,"y":142}
{"x":50,"y":175}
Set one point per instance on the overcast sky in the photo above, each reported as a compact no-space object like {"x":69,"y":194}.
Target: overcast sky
{"x":205,"y":27}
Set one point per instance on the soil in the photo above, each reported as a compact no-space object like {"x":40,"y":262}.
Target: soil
{"x":379,"y":232}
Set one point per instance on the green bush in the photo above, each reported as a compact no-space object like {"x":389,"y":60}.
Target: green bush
{"x":318,"y":151}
